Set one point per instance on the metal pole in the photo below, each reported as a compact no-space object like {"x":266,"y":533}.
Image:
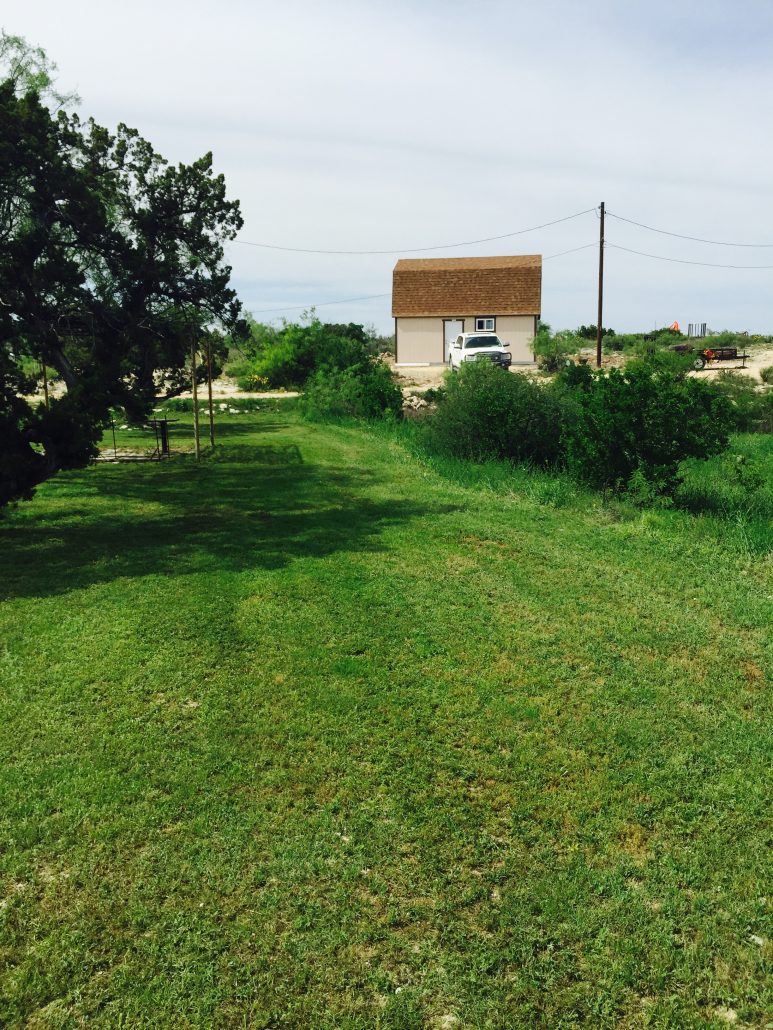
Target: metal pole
{"x":601,"y":287}
{"x":164,"y":437}
{"x":45,"y":383}
{"x":209,"y":391}
{"x":196,"y":442}
{"x":115,"y":448}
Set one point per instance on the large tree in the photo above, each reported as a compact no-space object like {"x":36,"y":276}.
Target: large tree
{"x":111,"y":261}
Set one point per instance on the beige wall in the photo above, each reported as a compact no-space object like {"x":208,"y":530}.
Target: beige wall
{"x":420,"y":340}
{"x":518,"y":331}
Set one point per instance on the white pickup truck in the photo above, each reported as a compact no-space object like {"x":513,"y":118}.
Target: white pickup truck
{"x":479,"y":347}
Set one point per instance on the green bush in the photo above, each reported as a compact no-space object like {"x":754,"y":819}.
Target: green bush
{"x":766,"y":375}
{"x":633,"y":428}
{"x":486,"y":412}
{"x":184,"y":405}
{"x":368,"y":391}
{"x":553,"y":349}
{"x":751,"y":407}
{"x":725,"y":339}
{"x":663,"y":359}
{"x":590,"y":332}
{"x":378,"y":343}
{"x":433,"y":394}
{"x":294,"y":353}
{"x":623,"y":342}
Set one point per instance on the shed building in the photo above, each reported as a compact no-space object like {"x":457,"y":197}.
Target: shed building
{"x":435,"y":299}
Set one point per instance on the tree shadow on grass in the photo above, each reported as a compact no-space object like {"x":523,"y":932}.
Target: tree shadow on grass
{"x":257,"y":454}
{"x":181,"y":433}
{"x":250,"y":507}
{"x":224,"y":431}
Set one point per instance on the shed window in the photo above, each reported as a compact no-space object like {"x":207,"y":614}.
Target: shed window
{"x":485,"y":325}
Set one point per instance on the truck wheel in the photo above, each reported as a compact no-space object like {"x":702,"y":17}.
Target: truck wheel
{"x":699,"y":364}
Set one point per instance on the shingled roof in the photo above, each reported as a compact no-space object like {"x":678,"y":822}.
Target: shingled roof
{"x":444,"y":287}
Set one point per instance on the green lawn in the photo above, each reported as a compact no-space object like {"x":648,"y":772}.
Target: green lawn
{"x":317,"y":734}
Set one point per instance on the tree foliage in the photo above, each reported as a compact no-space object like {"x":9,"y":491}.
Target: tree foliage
{"x":289,"y":356}
{"x":111,"y":262}
{"x":30,"y":70}
{"x":590,"y":332}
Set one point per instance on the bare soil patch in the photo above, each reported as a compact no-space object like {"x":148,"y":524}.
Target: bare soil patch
{"x":225,"y":387}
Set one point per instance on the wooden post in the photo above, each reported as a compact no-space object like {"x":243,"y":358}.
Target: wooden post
{"x":196,"y":441}
{"x":209,"y":391}
{"x":45,"y":383}
{"x":601,"y":287}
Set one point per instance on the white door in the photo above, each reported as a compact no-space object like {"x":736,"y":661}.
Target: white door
{"x":451,"y":329}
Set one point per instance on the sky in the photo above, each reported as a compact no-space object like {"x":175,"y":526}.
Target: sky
{"x":403,"y":125}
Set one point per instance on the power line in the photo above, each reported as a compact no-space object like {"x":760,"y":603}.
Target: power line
{"x":682,"y":261}
{"x":695,"y":239}
{"x":380,"y":296}
{"x":585,"y":246}
{"x":324,"y":303}
{"x":415,"y":250}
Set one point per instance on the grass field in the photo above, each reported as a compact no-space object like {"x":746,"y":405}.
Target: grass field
{"x":321,"y":734}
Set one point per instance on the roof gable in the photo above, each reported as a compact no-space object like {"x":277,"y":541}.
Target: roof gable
{"x":506,"y":285}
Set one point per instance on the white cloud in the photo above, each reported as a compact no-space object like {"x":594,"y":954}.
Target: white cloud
{"x":365,"y":126}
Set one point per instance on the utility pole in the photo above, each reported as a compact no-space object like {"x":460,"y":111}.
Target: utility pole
{"x":197,"y":444}
{"x":601,"y":287}
{"x":209,"y":391}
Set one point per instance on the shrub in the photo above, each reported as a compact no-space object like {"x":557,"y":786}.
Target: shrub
{"x":726,"y":338}
{"x":553,"y":349}
{"x":635,"y":427}
{"x":575,"y":377}
{"x":183,"y":405}
{"x":368,"y":391}
{"x":433,"y":394}
{"x":751,"y":408}
{"x":664,"y":359}
{"x":298,"y":351}
{"x":766,"y":375}
{"x":623,"y":341}
{"x":486,"y":412}
{"x":590,"y":332}
{"x":378,"y":343}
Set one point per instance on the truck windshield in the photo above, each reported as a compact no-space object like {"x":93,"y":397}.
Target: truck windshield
{"x":482,"y":341}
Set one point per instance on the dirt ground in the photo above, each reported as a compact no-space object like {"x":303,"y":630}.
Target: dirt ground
{"x":759,"y":359}
{"x":225,"y":387}
{"x":417,"y":378}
